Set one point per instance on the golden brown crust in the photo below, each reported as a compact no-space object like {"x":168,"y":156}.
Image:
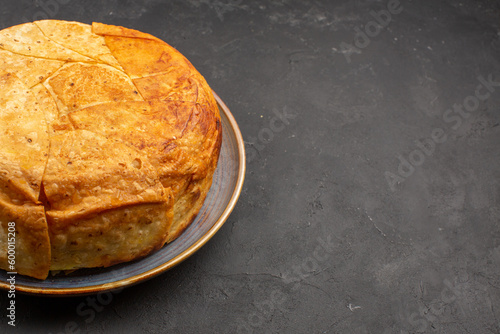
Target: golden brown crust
{"x":27,"y":39}
{"x":115,"y":236}
{"x":24,"y":141}
{"x":78,"y":37}
{"x":32,"y":246}
{"x":46,"y":103}
{"x":107,"y":205}
{"x":30,"y":70}
{"x":111,"y":30}
{"x":134,"y":135}
{"x":87,"y":173}
{"x":151,"y":57}
{"x":78,"y":85}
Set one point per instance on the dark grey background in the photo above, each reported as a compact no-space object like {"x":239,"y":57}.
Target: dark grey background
{"x":320,"y":242}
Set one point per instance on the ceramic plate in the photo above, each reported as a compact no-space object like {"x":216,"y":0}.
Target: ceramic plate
{"x":220,"y":201}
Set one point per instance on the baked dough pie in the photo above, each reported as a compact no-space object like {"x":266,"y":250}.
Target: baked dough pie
{"x":109,"y":139}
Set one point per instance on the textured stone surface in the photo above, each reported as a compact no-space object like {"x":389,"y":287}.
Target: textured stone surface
{"x":328,"y":236}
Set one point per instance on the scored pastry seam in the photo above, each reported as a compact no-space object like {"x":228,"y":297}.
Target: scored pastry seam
{"x":61,"y":45}
{"x":46,"y":58}
{"x":123,"y":70}
{"x":62,"y":107}
{"x":95,"y":58}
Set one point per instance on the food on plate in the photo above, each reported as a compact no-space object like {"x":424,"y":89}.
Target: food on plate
{"x":109,"y":139}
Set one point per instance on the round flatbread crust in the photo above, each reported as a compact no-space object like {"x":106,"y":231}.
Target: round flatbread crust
{"x":109,"y":139}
